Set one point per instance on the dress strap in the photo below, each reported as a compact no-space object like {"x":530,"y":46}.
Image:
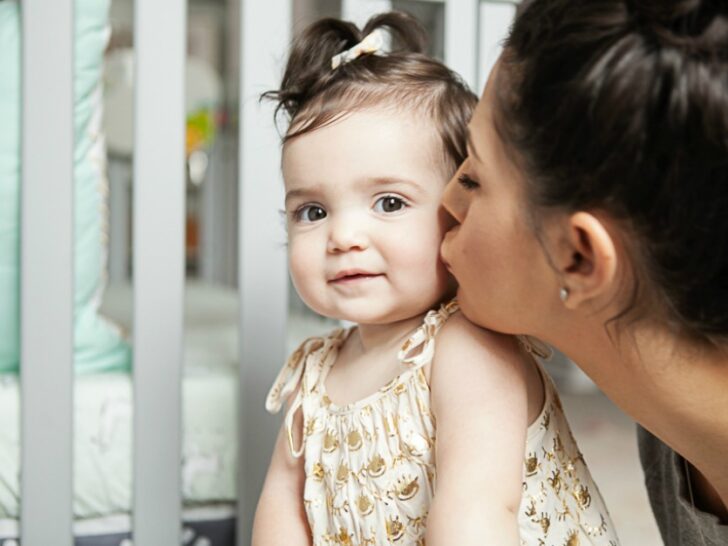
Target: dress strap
{"x":420,"y":346}
{"x":299,"y":375}
{"x":290,"y":375}
{"x":535,"y":346}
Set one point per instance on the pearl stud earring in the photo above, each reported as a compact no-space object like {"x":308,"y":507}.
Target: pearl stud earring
{"x":564,"y":293}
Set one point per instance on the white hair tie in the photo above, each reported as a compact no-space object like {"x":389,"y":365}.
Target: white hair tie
{"x":372,"y":43}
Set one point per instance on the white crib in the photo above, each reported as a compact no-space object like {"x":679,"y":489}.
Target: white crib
{"x":472,"y":31}
{"x":47,"y":391}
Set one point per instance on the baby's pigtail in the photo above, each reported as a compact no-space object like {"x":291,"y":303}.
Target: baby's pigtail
{"x":408,"y":34}
{"x":308,"y":69}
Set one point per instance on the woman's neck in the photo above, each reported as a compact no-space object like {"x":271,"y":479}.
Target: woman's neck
{"x":675,"y":388}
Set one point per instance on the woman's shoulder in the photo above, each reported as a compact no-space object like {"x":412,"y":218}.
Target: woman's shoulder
{"x":666,"y":480}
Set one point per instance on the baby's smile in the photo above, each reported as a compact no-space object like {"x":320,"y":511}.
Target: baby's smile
{"x":353,"y":275}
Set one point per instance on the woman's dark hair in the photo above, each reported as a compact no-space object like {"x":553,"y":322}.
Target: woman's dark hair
{"x":622,"y":106}
{"x":313,"y":94}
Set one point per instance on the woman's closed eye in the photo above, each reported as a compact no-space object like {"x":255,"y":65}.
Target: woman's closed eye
{"x":467,"y":183}
{"x":389,"y":204}
{"x":308,"y":214}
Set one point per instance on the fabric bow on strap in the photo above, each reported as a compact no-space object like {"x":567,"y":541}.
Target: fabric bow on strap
{"x":424,"y":337}
{"x":298,"y":374}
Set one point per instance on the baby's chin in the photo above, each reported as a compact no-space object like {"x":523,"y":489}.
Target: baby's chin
{"x":384,"y":316}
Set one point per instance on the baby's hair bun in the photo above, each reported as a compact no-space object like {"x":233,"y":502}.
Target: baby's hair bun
{"x":308,"y":70}
{"x":408,"y":34}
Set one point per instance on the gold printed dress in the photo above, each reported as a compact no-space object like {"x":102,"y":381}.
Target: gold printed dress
{"x":370,"y":465}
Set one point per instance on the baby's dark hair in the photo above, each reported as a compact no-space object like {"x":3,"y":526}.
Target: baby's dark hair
{"x":313,"y":94}
{"x":622,"y":106}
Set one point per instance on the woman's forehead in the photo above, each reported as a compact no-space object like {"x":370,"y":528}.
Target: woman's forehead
{"x":481,"y":132}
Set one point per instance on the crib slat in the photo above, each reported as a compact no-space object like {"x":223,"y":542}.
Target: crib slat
{"x":262,"y":274}
{"x":46,"y":294}
{"x":495,"y":22}
{"x":158,"y":225}
{"x":461,"y":39}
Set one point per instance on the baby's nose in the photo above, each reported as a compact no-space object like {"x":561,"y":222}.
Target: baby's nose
{"x":346,"y":234}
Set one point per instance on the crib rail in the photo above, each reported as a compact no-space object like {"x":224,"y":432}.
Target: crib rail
{"x":461,"y":39}
{"x":262,"y":272}
{"x":159,"y":201}
{"x":47,"y":265}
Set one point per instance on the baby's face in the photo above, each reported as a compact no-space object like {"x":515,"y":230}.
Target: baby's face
{"x":364,"y":216}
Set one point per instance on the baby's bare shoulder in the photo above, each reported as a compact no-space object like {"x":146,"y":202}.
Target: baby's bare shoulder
{"x":482,"y":378}
{"x":470,"y":358}
{"x":460,"y":337}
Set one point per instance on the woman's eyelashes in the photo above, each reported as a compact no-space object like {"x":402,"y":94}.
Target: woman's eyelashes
{"x":467,"y":183}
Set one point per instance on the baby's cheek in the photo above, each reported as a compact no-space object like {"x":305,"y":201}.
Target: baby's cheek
{"x":301,"y":267}
{"x":424,"y":246}
{"x":420,"y":255}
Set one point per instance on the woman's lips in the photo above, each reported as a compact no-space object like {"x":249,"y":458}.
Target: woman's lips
{"x":447,"y":264}
{"x":443,"y":259}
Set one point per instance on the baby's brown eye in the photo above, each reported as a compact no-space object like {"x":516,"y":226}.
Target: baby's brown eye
{"x":310,"y":213}
{"x":389,"y":203}
{"x":316,"y":213}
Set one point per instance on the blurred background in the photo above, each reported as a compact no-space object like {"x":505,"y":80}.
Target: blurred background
{"x":211,"y":323}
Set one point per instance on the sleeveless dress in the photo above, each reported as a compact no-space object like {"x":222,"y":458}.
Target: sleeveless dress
{"x":370,"y":465}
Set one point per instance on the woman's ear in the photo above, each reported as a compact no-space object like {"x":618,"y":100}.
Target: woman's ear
{"x":586,"y":258}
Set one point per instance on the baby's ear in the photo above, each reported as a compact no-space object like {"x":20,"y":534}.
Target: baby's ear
{"x":586,"y":258}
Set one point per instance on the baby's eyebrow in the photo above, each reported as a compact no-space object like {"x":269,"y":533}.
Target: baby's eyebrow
{"x":395,"y":181}
{"x":300,"y":194}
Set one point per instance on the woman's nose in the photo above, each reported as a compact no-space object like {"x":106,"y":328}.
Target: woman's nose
{"x":452,"y":201}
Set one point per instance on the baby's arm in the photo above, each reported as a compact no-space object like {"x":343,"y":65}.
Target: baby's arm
{"x":280,"y":518}
{"x":479,"y":397}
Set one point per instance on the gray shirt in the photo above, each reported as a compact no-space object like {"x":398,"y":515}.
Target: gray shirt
{"x":680,"y":523}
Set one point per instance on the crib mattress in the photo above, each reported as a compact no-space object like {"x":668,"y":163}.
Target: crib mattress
{"x":104,"y":414}
{"x":210,"y":525}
